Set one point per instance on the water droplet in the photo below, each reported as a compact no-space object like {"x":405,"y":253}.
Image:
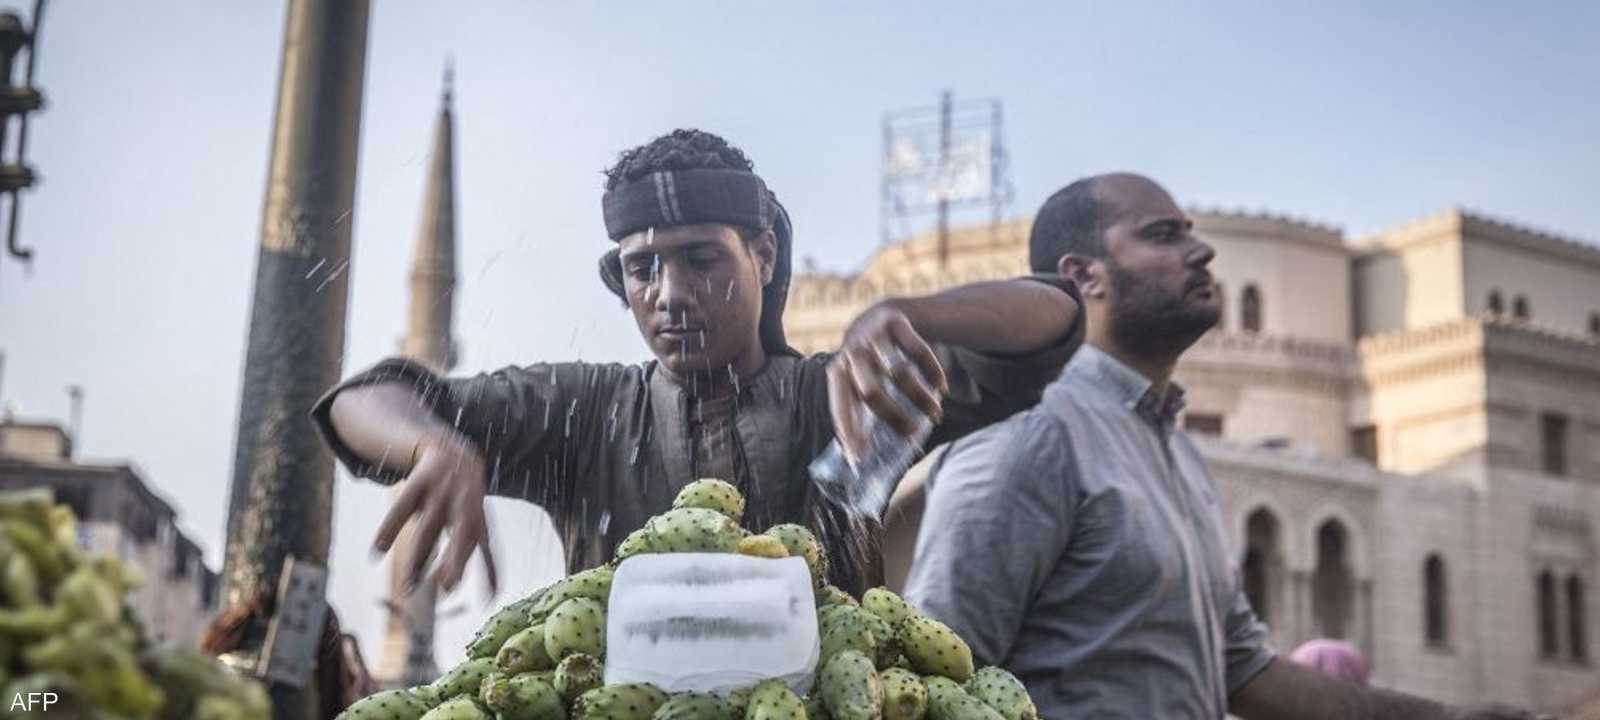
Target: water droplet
{"x":605,"y":521}
{"x":332,"y":275}
{"x":650,"y":235}
{"x":728,"y":296}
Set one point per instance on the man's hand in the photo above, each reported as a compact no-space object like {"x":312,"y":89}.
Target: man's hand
{"x":881,"y":347}
{"x":444,"y":492}
{"x":1494,"y":712}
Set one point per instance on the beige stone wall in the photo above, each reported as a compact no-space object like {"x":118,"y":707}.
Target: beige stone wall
{"x":1265,"y":386}
{"x":1560,"y":281}
{"x":1302,"y":272}
{"x":1425,"y":393}
{"x":1417,"y":286}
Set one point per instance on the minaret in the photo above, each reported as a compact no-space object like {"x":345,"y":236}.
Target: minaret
{"x":408,"y":635}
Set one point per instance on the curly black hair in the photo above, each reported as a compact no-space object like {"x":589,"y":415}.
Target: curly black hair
{"x":682,"y":149}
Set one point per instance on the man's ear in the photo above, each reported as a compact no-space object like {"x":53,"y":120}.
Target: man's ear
{"x":1087,"y":272}
{"x":765,"y":249}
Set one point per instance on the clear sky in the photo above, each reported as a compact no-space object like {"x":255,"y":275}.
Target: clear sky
{"x":153,"y":156}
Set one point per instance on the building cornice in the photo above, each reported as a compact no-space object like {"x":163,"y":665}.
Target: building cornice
{"x":1468,"y":343}
{"x":1267,"y":226}
{"x":1456,"y":222}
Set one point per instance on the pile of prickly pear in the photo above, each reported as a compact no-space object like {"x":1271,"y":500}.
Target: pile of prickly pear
{"x":65,"y":629}
{"x":540,"y":658}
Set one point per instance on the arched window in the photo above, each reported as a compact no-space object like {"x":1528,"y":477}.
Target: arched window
{"x":1594,"y":324}
{"x":1261,"y":561}
{"x":1250,"y":309}
{"x":1519,"y":308}
{"x":1497,"y":305}
{"x":1577,"y":638}
{"x":1435,"y":603}
{"x":1222,"y":310}
{"x":1549,"y":645}
{"x":1331,"y":598}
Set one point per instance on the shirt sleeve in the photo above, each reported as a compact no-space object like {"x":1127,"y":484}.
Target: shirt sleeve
{"x":521,"y":418}
{"x":996,"y":522}
{"x":1248,"y":653}
{"x":986,"y":388}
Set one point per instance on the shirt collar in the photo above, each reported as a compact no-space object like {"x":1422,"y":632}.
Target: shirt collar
{"x":1132,"y":390}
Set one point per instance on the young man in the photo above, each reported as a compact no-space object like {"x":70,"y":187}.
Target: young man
{"x":1104,"y":581}
{"x":703,"y":262}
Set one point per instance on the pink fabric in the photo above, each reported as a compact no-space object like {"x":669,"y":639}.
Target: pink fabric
{"x":1332,"y":657}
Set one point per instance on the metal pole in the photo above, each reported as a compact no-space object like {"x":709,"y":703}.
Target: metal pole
{"x":281,"y":500}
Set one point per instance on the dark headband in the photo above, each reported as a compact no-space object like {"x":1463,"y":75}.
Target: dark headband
{"x":685,"y":197}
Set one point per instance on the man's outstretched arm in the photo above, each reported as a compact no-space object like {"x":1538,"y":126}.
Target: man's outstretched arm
{"x":1020,"y":318}
{"x":1285,"y":691}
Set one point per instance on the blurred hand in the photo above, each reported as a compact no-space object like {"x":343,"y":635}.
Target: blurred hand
{"x":1495,"y":712}
{"x":444,"y":493}
{"x":881,"y":347}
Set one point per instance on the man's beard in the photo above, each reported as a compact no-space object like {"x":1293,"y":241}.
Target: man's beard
{"x":1147,"y":321}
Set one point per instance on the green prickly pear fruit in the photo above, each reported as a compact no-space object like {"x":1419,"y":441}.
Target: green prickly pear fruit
{"x":847,"y":628}
{"x":905,"y":696}
{"x":460,"y":708}
{"x":947,"y":701}
{"x":426,"y":694}
{"x":577,"y":626}
{"x":711,"y":494}
{"x":524,"y":652}
{"x":801,"y":543}
{"x":816,"y":709}
{"x":850,"y":687}
{"x":692,"y":706}
{"x":934,"y":649}
{"x":594,"y":583}
{"x":500,"y":626}
{"x":632,"y":701}
{"x":694,"y":530}
{"x":773,"y":700}
{"x":387,"y":705}
{"x":463,"y":679}
{"x":761,"y":546}
{"x":577,"y":674}
{"x":637,"y":542}
{"x":1004,"y":692}
{"x":523,"y":697}
{"x":884,"y":603}
{"x":830,"y":595}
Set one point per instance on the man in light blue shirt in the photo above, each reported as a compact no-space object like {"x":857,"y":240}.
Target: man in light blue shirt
{"x":1079,"y":543}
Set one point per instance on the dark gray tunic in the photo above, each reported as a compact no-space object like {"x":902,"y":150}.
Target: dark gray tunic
{"x":603,"y":447}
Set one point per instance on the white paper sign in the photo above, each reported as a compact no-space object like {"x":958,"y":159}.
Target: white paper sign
{"x":712,"y":623}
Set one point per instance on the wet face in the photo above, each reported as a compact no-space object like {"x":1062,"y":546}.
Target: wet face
{"x":695,"y":292}
{"x":1158,"y":293}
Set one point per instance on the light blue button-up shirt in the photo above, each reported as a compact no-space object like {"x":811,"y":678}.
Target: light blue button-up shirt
{"x":1079,"y":544}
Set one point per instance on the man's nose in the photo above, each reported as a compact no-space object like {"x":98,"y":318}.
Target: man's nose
{"x":1202,"y":254}
{"x":674,"y":291}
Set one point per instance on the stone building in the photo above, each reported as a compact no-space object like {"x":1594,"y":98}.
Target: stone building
{"x":118,"y":514}
{"x":1405,"y":430}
